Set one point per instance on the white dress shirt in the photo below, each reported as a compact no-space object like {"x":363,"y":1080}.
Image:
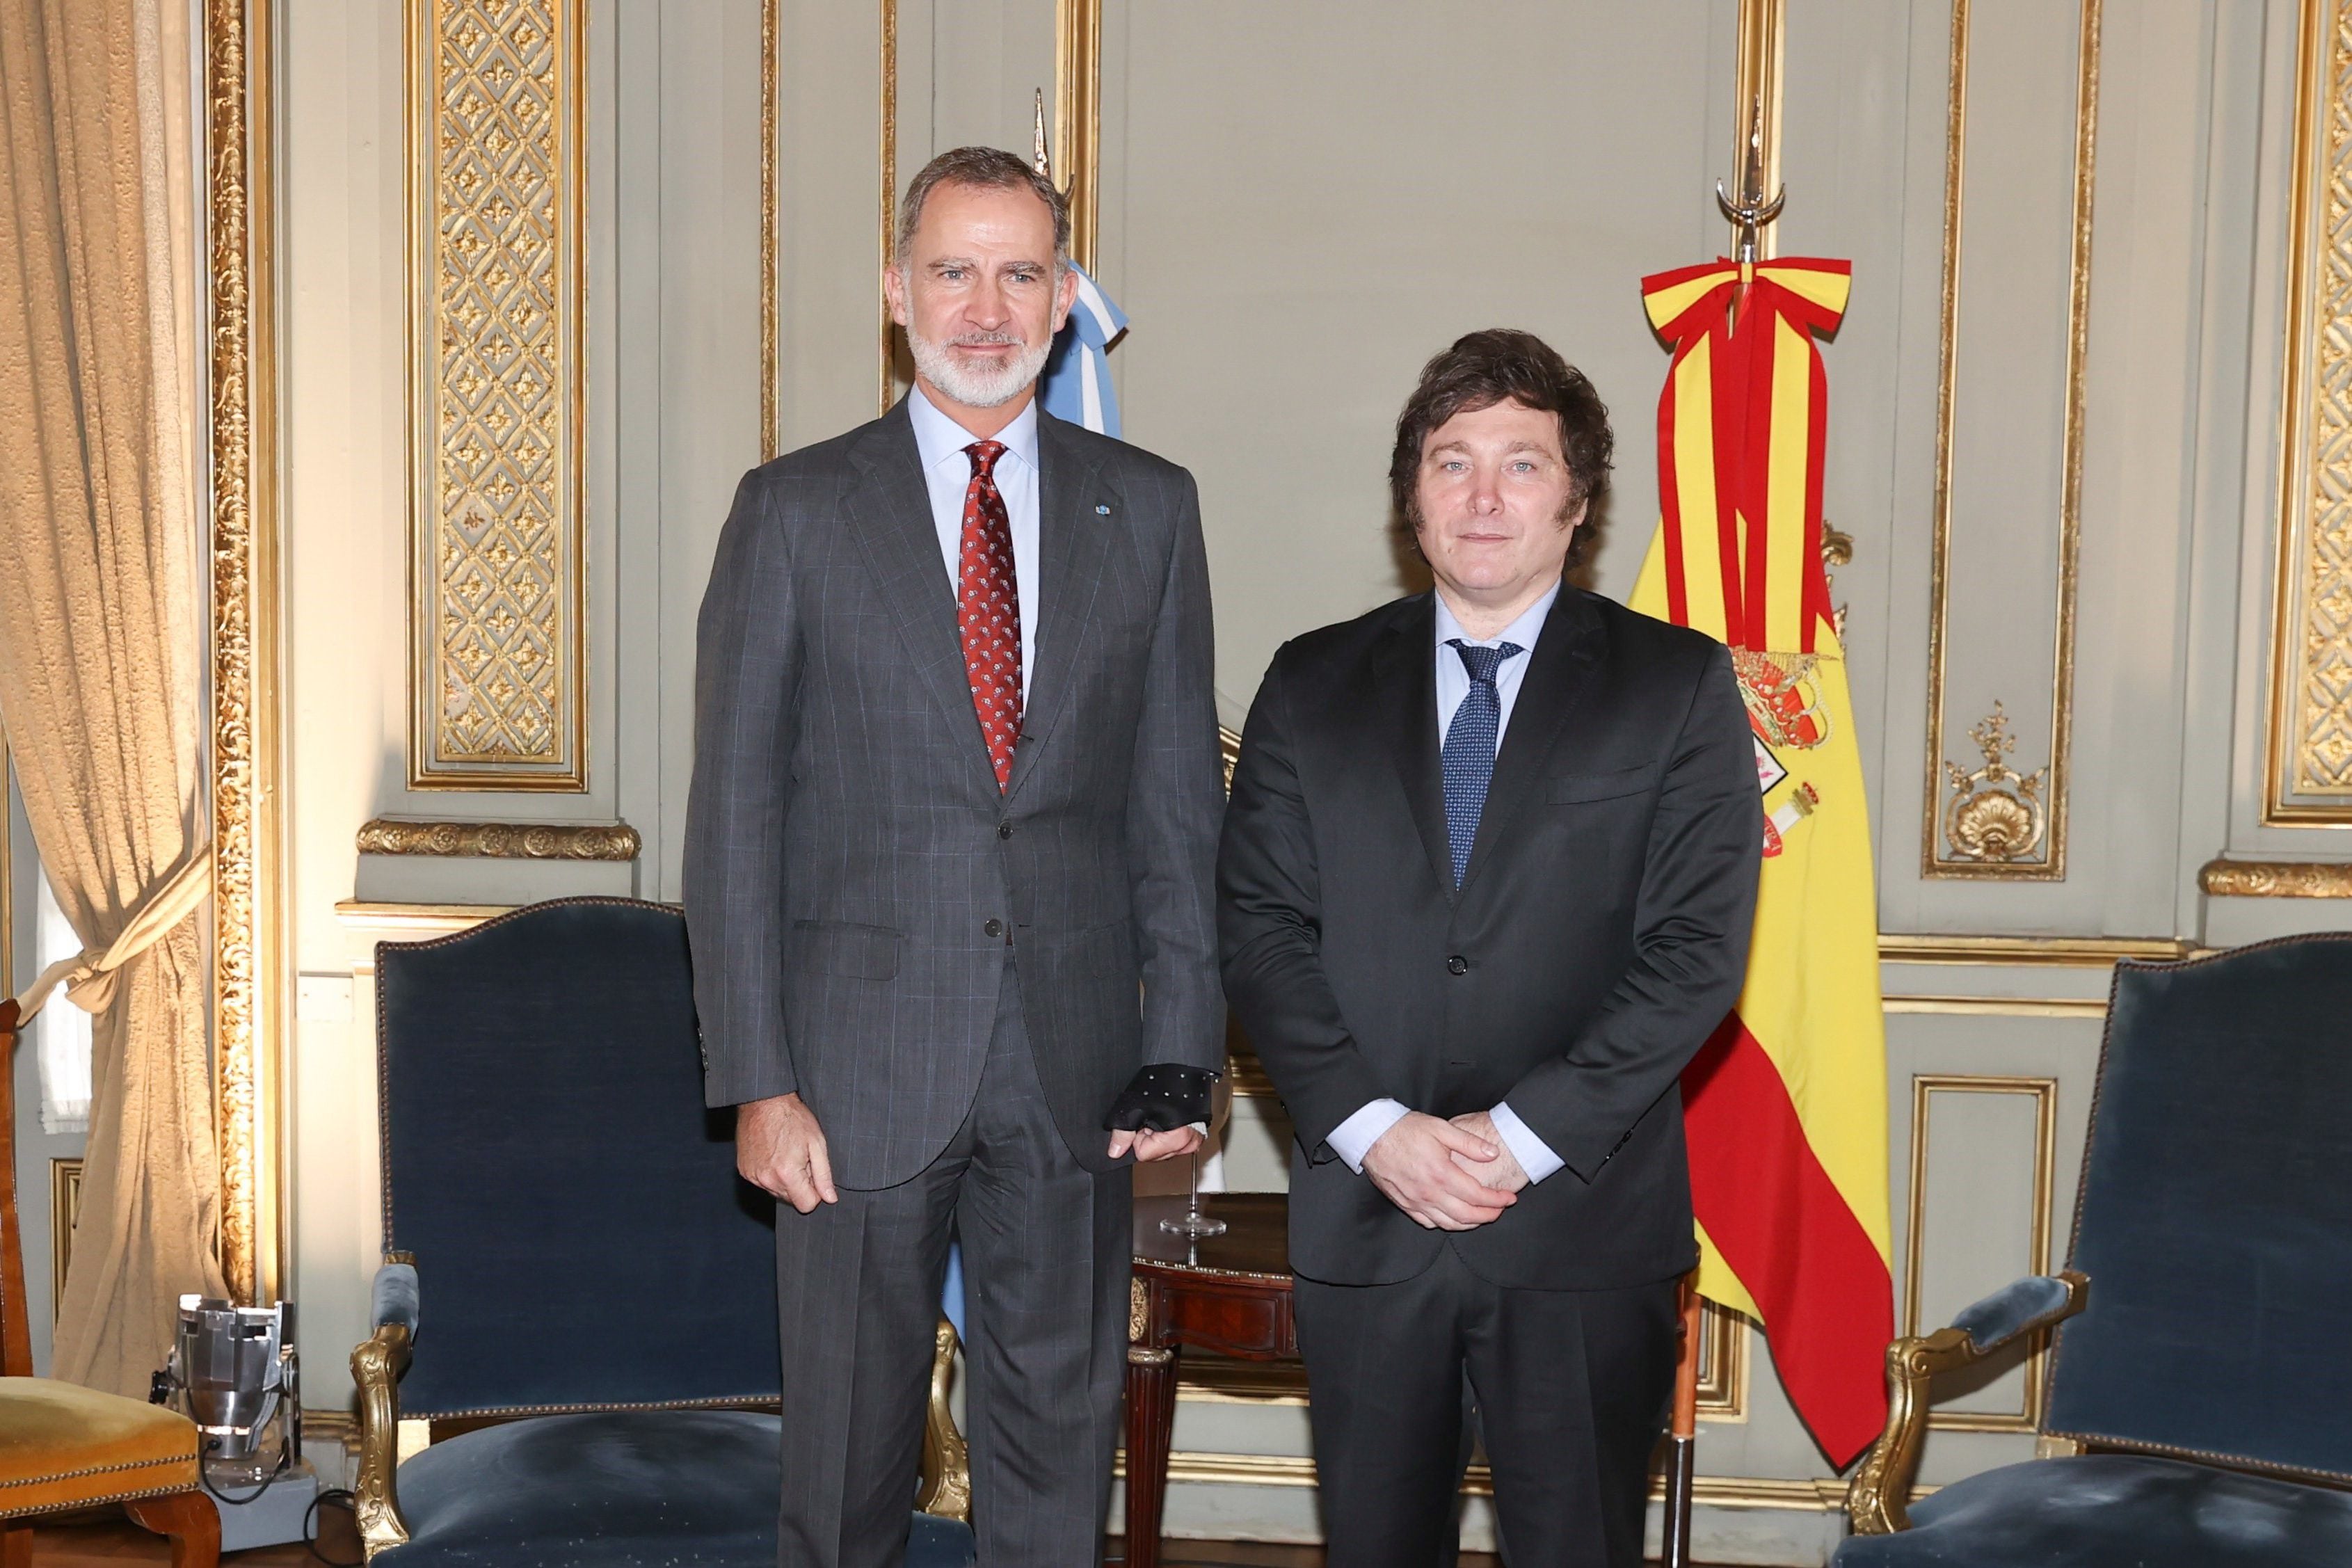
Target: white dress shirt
{"x":947,"y":472}
{"x":1354,"y":1138}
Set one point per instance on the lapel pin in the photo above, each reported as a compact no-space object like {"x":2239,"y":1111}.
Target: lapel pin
{"x":1101,"y":510}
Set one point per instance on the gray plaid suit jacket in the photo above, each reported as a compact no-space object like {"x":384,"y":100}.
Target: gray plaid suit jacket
{"x":853,"y":874}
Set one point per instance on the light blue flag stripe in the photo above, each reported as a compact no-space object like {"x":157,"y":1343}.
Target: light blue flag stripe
{"x":1078,"y":386}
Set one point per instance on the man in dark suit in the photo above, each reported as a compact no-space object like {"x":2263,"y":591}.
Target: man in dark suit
{"x":955,"y":798}
{"x":1486,"y":887}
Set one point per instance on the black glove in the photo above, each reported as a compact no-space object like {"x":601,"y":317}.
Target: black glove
{"x":1161,"y":1099}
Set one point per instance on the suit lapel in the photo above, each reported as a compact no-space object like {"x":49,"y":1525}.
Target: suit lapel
{"x":890,"y":512}
{"x":1405,"y":687}
{"x":1073,"y":541}
{"x":1563,"y":666}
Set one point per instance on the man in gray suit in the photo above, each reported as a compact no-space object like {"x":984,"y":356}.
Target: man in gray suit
{"x":956,"y":794}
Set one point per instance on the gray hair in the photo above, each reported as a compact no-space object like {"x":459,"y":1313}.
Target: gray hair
{"x":989,"y":168}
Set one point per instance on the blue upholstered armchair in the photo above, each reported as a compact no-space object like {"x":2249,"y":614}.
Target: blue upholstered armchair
{"x":2201,"y":1366}
{"x":567,"y":1240}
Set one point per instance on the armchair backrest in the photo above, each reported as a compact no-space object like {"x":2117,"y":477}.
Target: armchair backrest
{"x":580,"y":1237}
{"x":2215,"y":1215}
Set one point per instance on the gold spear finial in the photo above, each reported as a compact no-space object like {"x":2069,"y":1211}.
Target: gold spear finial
{"x":1751,"y":211}
{"x":1043,"y":161}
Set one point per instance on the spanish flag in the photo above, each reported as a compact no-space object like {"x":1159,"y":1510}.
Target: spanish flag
{"x":1785,"y":1105}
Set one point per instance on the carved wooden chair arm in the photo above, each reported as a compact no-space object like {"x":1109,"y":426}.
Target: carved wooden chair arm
{"x":947,"y":1465}
{"x":377,"y":1364}
{"x":1878,"y":1501}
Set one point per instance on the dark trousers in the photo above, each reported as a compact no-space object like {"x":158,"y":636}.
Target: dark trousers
{"x":1046,"y":1249}
{"x":1571,"y":1386}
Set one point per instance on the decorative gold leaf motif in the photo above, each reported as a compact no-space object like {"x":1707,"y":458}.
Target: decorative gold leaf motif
{"x":2276,"y":878}
{"x":1996,"y":814}
{"x":499,"y":674}
{"x":501,"y":841}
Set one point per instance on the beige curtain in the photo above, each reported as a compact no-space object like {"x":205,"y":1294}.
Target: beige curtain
{"x":100,"y":655}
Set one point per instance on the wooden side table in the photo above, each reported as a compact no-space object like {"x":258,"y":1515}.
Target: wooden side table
{"x":1226,"y":1294}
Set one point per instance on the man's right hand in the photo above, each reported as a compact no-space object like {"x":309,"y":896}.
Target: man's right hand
{"x":1413,"y":1163}
{"x":780,"y":1149}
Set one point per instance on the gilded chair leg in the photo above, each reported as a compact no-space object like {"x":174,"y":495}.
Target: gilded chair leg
{"x":16,"y":1544}
{"x":191,"y":1521}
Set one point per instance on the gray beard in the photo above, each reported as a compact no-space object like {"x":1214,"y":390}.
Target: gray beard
{"x":936,"y":364}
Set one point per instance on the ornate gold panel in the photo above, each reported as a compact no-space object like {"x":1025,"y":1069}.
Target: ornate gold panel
{"x":497,"y":578}
{"x":2044,"y":1092}
{"x":1992,"y":820}
{"x":249,"y":987}
{"x":2307,"y":776}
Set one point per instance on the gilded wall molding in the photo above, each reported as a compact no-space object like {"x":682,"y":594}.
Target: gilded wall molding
{"x":1298,"y":1470}
{"x":1999,"y":1006}
{"x":249,"y":989}
{"x":1995,"y":827}
{"x":497,"y":676}
{"x":1723,"y":1364}
{"x":1077,"y":120}
{"x":2307,"y":752}
{"x":2062,"y":951}
{"x":772,"y":70}
{"x":888,"y":196}
{"x":65,"y":1212}
{"x":501,"y":841}
{"x":2276,"y":878}
{"x":2043,"y":1092}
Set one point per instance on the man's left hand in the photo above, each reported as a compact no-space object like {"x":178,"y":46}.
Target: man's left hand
{"x":1503,"y":1173}
{"x":1149,"y":1146}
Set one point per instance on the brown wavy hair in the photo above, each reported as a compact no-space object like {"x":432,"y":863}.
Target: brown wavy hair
{"x":990,"y":169}
{"x":1503,"y":364}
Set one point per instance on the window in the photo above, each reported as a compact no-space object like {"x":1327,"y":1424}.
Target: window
{"x":61,"y":1034}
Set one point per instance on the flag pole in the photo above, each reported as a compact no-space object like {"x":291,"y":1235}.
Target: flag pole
{"x":1682,"y":1474}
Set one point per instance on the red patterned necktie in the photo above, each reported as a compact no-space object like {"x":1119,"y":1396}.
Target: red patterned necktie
{"x":988,"y":610}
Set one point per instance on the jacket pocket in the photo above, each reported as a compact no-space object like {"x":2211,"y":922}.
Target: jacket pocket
{"x":1569,"y":787}
{"x":838,"y":947}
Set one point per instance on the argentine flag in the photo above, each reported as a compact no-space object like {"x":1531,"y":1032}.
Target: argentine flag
{"x":1077,"y":383}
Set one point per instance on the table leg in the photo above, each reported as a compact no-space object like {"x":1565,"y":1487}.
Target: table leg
{"x":1150,"y":1420}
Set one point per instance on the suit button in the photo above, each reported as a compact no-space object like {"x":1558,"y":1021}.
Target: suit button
{"x":1457,"y":964}
{"x":1004,"y":830}
{"x":994,"y":928}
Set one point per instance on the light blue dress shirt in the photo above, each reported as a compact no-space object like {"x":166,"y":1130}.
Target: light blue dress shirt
{"x":1354,"y":1138}
{"x":946,"y":472}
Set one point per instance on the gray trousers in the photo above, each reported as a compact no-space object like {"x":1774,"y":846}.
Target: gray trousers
{"x":1046,"y":1249}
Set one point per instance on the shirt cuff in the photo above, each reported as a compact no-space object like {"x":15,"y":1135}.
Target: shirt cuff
{"x":1534,"y":1156}
{"x":1353,"y":1138}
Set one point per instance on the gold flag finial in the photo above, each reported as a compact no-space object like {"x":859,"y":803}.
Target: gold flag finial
{"x":1042,"y":160}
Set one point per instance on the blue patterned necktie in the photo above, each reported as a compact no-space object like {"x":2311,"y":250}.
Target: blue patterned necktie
{"x":1468,"y":760}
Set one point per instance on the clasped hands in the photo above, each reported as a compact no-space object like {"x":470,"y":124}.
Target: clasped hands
{"x":1445,"y":1175}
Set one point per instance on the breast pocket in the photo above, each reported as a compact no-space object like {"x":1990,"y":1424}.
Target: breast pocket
{"x":838,"y":947}
{"x":1567,"y":789}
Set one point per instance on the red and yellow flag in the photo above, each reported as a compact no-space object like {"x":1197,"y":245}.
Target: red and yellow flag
{"x":1785,"y":1105}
